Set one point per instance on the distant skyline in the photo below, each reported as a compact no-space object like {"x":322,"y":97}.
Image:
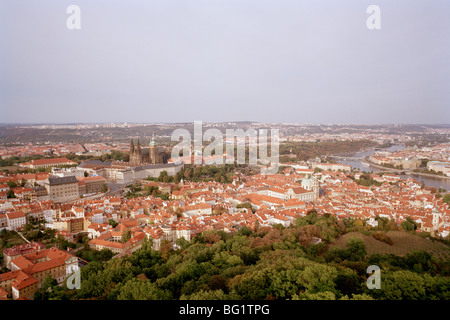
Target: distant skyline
{"x":273,"y":61}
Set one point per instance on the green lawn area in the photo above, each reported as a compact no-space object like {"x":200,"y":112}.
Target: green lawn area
{"x":9,"y":239}
{"x":403,"y":243}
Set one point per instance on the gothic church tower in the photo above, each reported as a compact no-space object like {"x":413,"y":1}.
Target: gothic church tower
{"x":135,"y":153}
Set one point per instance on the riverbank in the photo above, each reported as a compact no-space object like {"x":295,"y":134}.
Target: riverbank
{"x":429,"y":175}
{"x":429,"y":180}
{"x":409,"y":172}
{"x":369,"y":149}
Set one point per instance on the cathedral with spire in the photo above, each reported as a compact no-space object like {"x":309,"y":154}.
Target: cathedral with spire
{"x":143,"y":156}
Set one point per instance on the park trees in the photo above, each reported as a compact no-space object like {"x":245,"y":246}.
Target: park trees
{"x":279,"y":263}
{"x":135,"y":289}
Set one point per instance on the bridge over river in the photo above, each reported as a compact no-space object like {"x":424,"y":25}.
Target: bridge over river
{"x":359,"y":160}
{"x":346,"y":157}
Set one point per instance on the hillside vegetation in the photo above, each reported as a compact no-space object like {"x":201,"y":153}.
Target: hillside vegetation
{"x":278,"y":263}
{"x":402,"y":244}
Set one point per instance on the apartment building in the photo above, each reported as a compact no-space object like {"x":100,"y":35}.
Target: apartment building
{"x":62,"y":189}
{"x":16,"y":220}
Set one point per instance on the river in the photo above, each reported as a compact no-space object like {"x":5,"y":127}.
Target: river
{"x":358,"y":164}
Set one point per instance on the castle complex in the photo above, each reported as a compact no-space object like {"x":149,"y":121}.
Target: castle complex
{"x":143,"y":163}
{"x":151,"y":155}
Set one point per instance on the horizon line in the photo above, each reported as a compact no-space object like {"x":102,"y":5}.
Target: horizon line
{"x":217,"y":122}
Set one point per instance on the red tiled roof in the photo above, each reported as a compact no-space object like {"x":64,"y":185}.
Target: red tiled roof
{"x":51,"y":161}
{"x":21,"y":262}
{"x":23,"y":280}
{"x":15,"y":215}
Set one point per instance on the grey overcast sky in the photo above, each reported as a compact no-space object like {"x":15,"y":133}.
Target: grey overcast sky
{"x":304,"y":61}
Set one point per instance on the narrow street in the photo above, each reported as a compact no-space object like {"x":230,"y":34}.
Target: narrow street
{"x":114,"y":188}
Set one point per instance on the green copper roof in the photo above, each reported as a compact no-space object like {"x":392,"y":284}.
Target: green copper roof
{"x":152,"y":142}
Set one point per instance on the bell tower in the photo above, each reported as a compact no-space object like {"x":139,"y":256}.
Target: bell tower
{"x":153,"y":151}
{"x":316,"y":187}
{"x":436,"y":220}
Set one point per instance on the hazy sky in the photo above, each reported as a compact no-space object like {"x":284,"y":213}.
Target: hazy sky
{"x":306,"y":61}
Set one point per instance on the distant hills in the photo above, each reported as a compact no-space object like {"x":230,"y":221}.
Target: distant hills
{"x":122,"y":132}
